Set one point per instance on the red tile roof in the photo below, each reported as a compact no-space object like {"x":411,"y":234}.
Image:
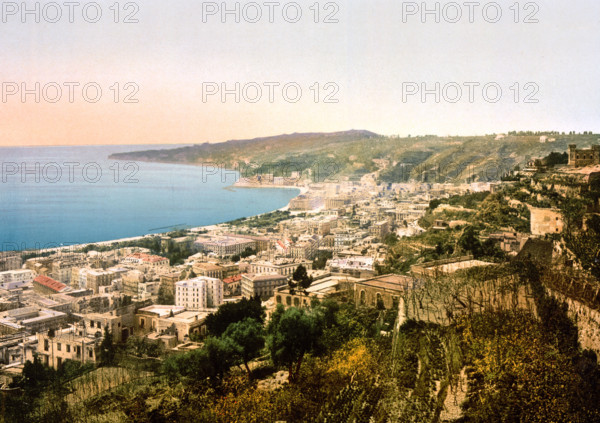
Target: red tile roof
{"x":50,"y":283}
{"x":147,"y":257}
{"x":232,"y":279}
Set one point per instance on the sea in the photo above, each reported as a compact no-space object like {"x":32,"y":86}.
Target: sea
{"x":60,"y":196}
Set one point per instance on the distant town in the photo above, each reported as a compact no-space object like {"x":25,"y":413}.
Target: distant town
{"x":378,"y":246}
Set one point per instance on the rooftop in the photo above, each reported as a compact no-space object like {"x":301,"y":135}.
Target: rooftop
{"x":163,"y":310}
{"x":393,"y":282}
{"x":50,"y":283}
{"x":264,"y":276}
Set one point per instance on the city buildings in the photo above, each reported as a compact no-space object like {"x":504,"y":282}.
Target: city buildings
{"x":10,"y":261}
{"x":261,"y":284}
{"x":48,"y":286}
{"x":30,"y":319}
{"x":13,"y":279}
{"x":199,"y":293}
{"x":55,"y":349}
{"x":224,"y":246}
{"x":285,"y":267}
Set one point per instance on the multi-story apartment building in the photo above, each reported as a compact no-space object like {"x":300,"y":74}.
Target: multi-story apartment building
{"x":210,"y":270}
{"x":31,"y":319}
{"x":13,"y":279}
{"x":132,"y":281}
{"x":146,"y":262}
{"x":281,"y":267}
{"x":199,"y":293}
{"x":225,"y":246}
{"x":86,"y":278}
{"x":262,"y":285}
{"x":380,"y":229}
{"x":62,"y":268}
{"x":168,"y":281}
{"x":10,"y":261}
{"x":67,"y":345}
{"x":304,"y":203}
{"x":306,"y":248}
{"x":262,"y":243}
{"x":120,"y":321}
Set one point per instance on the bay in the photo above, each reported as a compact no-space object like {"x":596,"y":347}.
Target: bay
{"x":52,"y":196}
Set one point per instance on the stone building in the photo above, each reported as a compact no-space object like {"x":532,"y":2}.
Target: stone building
{"x":261,"y":284}
{"x":48,"y":286}
{"x":584,"y":157}
{"x":68,"y":345}
{"x":385,"y":290}
{"x":546,"y":221}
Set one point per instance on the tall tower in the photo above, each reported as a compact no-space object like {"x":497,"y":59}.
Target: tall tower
{"x":572,"y":155}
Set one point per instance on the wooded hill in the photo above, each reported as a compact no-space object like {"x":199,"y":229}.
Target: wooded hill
{"x":352,"y":154}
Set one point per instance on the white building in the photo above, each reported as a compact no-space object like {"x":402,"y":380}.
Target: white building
{"x":146,"y":262}
{"x":16,"y":278}
{"x":225,"y":246}
{"x":199,"y":293}
{"x":285,"y":267}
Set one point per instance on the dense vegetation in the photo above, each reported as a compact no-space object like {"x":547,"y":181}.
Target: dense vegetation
{"x":326,"y":157}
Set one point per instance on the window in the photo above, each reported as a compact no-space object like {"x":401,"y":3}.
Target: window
{"x":363,"y":296}
{"x":91,"y":353}
{"x":59,"y":346}
{"x":46,"y":345}
{"x":68,"y":348}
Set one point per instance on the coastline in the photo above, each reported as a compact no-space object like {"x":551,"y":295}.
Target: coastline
{"x":238,"y":182}
{"x":303,"y":190}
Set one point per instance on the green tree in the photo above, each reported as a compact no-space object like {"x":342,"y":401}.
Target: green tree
{"x":292,"y":334}
{"x":165,"y":296}
{"x":107,"y":351}
{"x":217,"y":323}
{"x":321,"y":260}
{"x":300,"y":276}
{"x":247,"y":338}
{"x":390,"y":239}
{"x":220,"y":356}
{"x":469,"y":242}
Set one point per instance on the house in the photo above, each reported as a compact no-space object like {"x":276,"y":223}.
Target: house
{"x":159,"y":320}
{"x":54,"y":350}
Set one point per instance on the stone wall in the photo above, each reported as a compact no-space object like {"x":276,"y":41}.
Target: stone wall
{"x":587,"y":320}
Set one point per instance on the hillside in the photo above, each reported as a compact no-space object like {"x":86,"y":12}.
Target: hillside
{"x":352,"y":154}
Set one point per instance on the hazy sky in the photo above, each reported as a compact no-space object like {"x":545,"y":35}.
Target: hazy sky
{"x":377,"y":53}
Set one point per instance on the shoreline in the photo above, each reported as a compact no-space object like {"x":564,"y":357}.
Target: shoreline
{"x":74,"y":247}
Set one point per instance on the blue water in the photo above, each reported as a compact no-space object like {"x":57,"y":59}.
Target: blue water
{"x":46,"y":200}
